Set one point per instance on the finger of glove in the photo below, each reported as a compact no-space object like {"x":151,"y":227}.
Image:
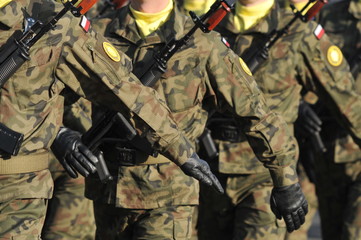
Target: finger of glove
{"x":200,"y":176}
{"x":78,"y":167}
{"x":305,"y":207}
{"x":289,"y":223}
{"x":216,"y":184}
{"x":88,"y":154}
{"x":72,"y":173}
{"x":84,"y":161}
{"x":301,"y":215}
{"x":296,"y":220}
{"x":274,"y":208}
{"x":313,"y":117}
{"x":311,"y":126}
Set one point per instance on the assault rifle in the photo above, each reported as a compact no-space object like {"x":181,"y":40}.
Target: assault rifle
{"x":207,"y":22}
{"x":256,"y":56}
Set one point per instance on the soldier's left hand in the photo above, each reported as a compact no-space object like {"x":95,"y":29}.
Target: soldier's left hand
{"x":200,"y":170}
{"x":290,"y":204}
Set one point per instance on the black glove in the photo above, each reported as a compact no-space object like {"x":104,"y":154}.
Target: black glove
{"x":73,"y":155}
{"x":308,"y":123}
{"x":290,"y":204}
{"x":200,"y":170}
{"x":308,"y":126}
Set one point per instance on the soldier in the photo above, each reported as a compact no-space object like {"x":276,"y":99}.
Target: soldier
{"x":304,"y":58}
{"x":338,"y":171}
{"x":31,"y":109}
{"x":148,"y":198}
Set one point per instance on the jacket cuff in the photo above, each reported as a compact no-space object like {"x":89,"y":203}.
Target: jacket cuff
{"x":284,"y":176}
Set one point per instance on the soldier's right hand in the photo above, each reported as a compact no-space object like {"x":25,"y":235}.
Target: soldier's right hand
{"x":73,"y":155}
{"x":200,"y":170}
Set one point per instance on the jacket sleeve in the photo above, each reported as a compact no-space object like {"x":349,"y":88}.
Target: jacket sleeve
{"x":327,"y":73}
{"x":95,"y":70}
{"x":236,"y":92}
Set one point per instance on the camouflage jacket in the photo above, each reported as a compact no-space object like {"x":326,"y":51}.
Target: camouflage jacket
{"x":31,"y":102}
{"x":342,"y":22}
{"x":202,"y":76}
{"x":297,"y":60}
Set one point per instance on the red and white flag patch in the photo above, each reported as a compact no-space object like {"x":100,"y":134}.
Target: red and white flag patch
{"x":85,"y":23}
{"x":319,"y":31}
{"x":225,"y":42}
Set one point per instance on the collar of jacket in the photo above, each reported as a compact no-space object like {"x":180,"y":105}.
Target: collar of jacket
{"x":265,"y":25}
{"x":124,"y":26}
{"x":355,"y":8}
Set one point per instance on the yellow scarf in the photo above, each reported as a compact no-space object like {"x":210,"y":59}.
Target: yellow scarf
{"x":246,"y":17}
{"x":3,"y":3}
{"x":200,"y":7}
{"x":149,"y":22}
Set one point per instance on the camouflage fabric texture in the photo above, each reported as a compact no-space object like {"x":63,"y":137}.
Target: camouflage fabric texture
{"x":202,"y":76}
{"x":69,"y":214}
{"x":278,"y":78}
{"x":23,"y":202}
{"x":31,"y":104}
{"x":339,"y":169}
{"x":171,"y":222}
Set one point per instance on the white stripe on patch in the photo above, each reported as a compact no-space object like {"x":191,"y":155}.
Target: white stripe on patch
{"x":319,"y":31}
{"x":85,"y":23}
{"x":225,"y":42}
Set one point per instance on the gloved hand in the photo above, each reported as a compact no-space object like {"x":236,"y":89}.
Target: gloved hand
{"x":73,"y":155}
{"x":200,"y":170}
{"x":308,"y":126}
{"x":290,"y":204}
{"x":308,"y":123}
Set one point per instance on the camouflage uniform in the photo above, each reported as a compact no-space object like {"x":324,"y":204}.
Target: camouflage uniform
{"x":245,"y":212}
{"x":31,"y":103}
{"x":338,"y":170}
{"x":202,"y":76}
{"x":70,"y":214}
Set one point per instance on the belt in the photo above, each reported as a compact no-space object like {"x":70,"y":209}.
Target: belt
{"x":227,"y":133}
{"x":24,"y":164}
{"x":132,"y":157}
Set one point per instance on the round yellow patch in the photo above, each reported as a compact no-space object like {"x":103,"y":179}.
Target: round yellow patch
{"x":245,"y":67}
{"x":334,"y":56}
{"x":111,"y":51}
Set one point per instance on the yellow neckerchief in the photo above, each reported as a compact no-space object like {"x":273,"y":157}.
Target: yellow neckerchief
{"x":149,"y":22}
{"x":200,"y":7}
{"x":246,"y":17}
{"x":3,"y":3}
{"x":300,"y":5}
